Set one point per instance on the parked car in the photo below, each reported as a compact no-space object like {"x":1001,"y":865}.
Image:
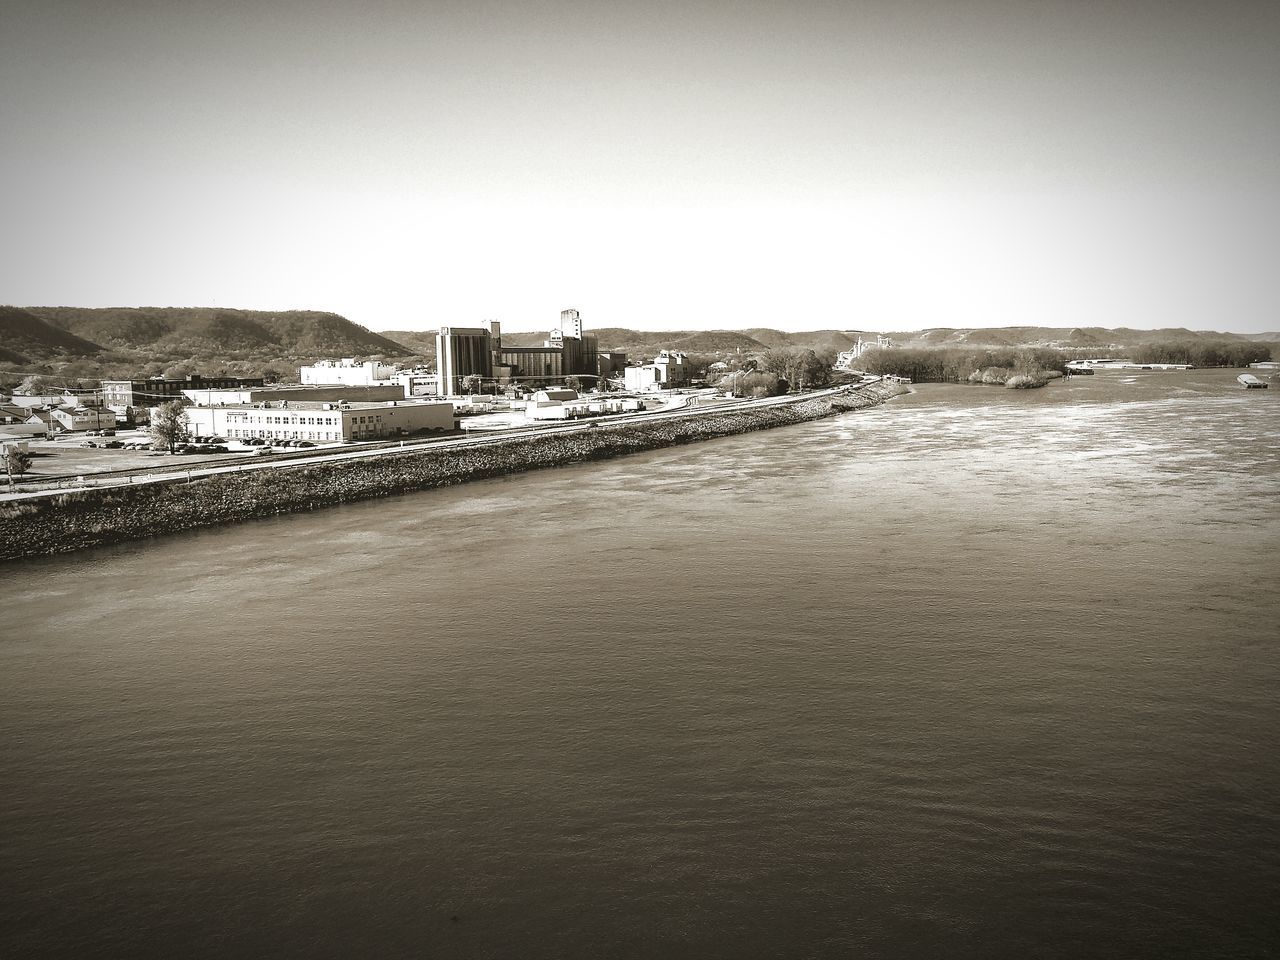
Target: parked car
{"x":262,"y":450}
{"x":305,"y":443}
{"x":113,"y":444}
{"x":87,"y":443}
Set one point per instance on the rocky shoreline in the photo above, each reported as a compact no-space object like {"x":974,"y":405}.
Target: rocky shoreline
{"x":80,"y":519}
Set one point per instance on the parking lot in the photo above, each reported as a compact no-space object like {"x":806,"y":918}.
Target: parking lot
{"x":70,"y":455}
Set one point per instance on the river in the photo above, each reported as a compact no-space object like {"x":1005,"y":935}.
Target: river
{"x":977,"y":673}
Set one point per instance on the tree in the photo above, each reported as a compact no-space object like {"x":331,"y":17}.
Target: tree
{"x":472,"y":383}
{"x":169,"y":424}
{"x":752,"y":384}
{"x":574,"y":384}
{"x":33,"y":386}
{"x":16,"y":461}
{"x":799,"y":366}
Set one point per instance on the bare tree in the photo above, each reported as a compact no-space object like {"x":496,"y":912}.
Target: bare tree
{"x":33,"y":386}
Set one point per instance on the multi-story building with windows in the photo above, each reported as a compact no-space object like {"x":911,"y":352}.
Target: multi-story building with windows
{"x":83,"y":418}
{"x":124,"y":395}
{"x":319,"y":422}
{"x":332,"y":394}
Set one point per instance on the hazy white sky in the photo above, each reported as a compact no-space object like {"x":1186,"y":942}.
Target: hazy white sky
{"x":880,"y":165}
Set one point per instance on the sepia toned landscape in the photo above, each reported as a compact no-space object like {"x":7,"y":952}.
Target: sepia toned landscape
{"x":655,"y":480}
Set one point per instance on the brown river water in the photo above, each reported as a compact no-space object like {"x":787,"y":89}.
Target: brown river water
{"x":977,"y":673}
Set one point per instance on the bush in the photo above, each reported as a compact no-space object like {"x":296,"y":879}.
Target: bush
{"x":1025,"y":381}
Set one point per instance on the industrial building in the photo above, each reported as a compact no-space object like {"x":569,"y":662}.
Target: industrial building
{"x":21,"y":422}
{"x":318,"y":421}
{"x":463,"y":352}
{"x":347,"y":371}
{"x":669,"y":369}
{"x":332,"y":393}
{"x":125,"y":395}
{"x":563,"y":404}
{"x":368,"y":373}
{"x":613,"y":364}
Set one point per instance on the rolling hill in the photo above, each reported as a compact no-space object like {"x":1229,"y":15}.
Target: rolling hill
{"x":420,"y":342}
{"x":130,"y":336}
{"x":212,"y":332}
{"x":26,"y":337}
{"x":814,"y":340}
{"x":638,"y":344}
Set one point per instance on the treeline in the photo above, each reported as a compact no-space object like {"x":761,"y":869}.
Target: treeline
{"x":752,"y":383}
{"x":1204,"y":353}
{"x":957,"y":365}
{"x":780,"y":370}
{"x":800,"y":367}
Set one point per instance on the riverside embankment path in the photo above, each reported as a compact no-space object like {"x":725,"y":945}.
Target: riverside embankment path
{"x":73,"y":519}
{"x":679,"y":407}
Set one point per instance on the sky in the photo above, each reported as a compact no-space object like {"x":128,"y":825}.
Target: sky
{"x":659,"y":165}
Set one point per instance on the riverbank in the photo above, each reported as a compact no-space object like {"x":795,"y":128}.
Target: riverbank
{"x":86,"y":518}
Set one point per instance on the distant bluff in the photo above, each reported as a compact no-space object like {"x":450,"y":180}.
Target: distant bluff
{"x":46,"y":333}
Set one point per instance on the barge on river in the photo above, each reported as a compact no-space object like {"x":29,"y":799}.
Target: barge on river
{"x":1250,"y":382}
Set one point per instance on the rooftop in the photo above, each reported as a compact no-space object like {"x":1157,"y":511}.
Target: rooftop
{"x":330,"y":404}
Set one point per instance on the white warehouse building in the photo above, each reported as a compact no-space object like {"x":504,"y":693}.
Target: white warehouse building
{"x":670,"y":368}
{"x":348,"y":371}
{"x":319,"y":422}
